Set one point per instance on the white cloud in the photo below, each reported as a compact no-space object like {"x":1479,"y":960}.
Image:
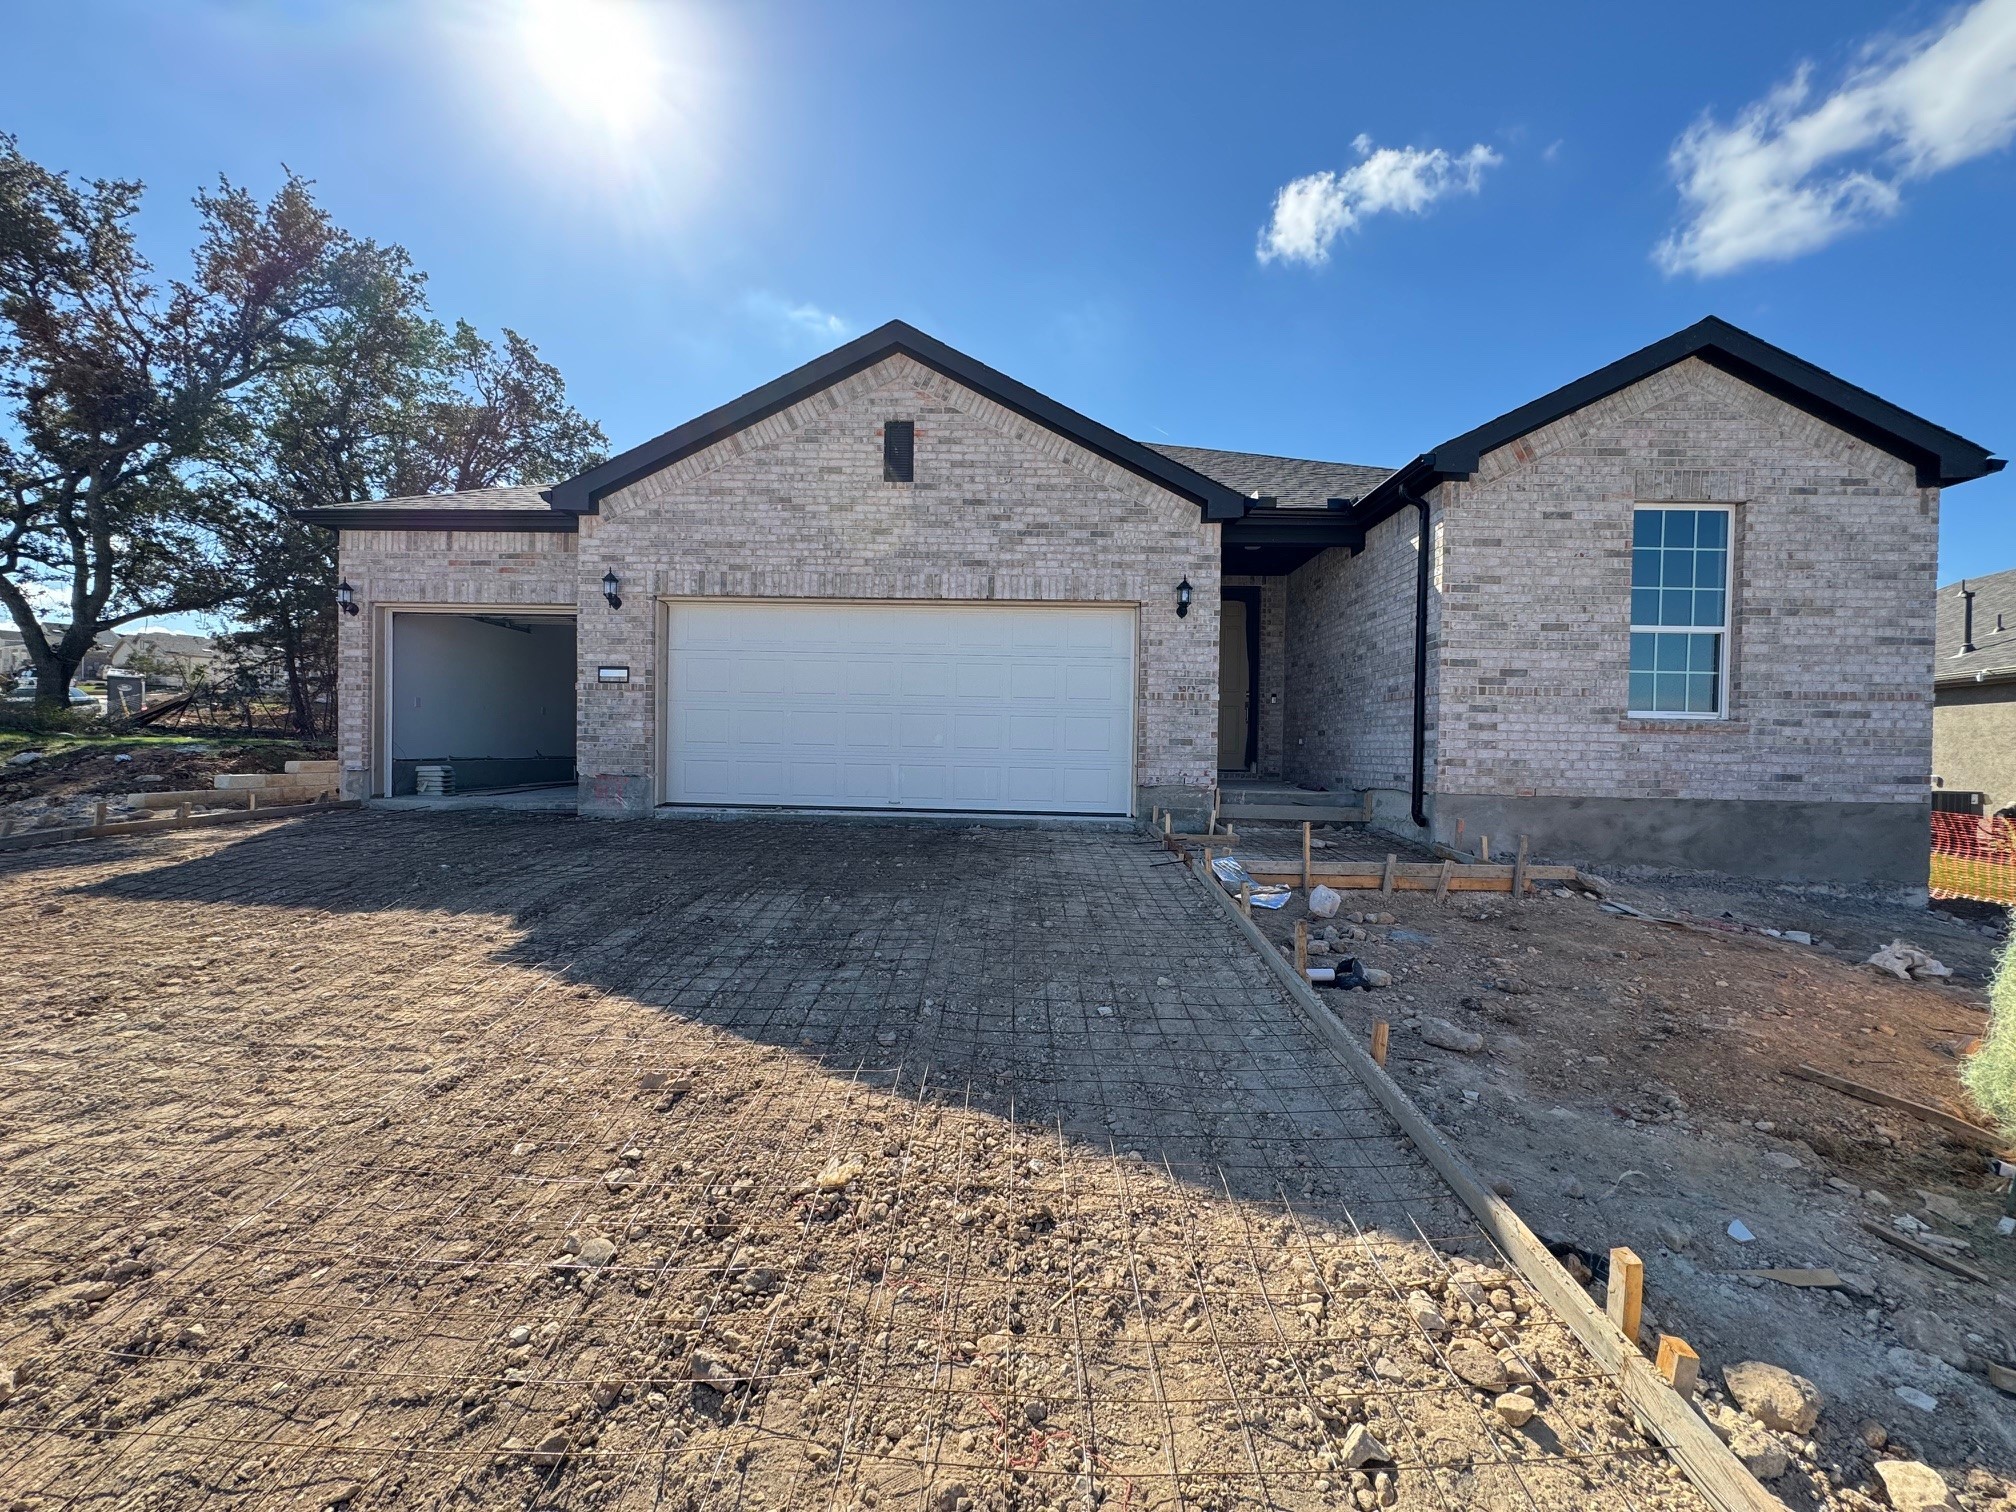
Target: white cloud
{"x":1793,"y":173}
{"x":795,"y":324}
{"x":1313,"y":211}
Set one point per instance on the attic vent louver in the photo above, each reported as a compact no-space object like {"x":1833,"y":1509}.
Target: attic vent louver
{"x":899,"y":451}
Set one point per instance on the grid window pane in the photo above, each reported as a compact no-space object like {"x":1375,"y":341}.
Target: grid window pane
{"x":1679,"y":609}
{"x":1675,"y":673}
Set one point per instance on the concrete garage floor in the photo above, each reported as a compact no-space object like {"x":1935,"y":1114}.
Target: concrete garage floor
{"x":483,"y":1159}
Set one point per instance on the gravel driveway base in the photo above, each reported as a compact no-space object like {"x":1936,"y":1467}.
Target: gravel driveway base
{"x":488,"y":1160}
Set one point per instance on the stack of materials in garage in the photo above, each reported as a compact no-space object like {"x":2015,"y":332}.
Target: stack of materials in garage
{"x":434,"y":781}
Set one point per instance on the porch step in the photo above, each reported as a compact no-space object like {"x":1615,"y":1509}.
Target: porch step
{"x":1324,"y":812}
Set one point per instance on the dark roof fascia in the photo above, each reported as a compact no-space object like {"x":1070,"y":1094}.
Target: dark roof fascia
{"x":1941,"y":457}
{"x":582,"y":494}
{"x":555,"y":522}
{"x":1295,"y":527}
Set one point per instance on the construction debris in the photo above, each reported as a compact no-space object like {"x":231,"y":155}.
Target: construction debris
{"x":1908,"y":963}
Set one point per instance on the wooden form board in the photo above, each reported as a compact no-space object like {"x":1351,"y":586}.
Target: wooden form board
{"x":1959,"y":1128}
{"x":35,"y":839}
{"x":1410,"y":876}
{"x":1707,"y":1462}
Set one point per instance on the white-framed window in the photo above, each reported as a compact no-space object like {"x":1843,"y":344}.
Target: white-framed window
{"x":1680,"y":611}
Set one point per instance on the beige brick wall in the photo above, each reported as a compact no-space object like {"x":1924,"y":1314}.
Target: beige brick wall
{"x":1002,"y":510}
{"x":1974,"y":742}
{"x":474,"y":568}
{"x":1834,"y":566}
{"x":1350,"y":663}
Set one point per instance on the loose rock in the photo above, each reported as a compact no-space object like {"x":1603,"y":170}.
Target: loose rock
{"x":1361,"y":1448}
{"x":1774,"y":1396}
{"x":1515,"y":1409}
{"x":1444,"y":1035}
{"x":1912,"y":1487}
{"x":1478,"y":1366}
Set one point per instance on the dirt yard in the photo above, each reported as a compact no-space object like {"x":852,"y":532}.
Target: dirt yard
{"x":47,"y":782}
{"x":1630,"y":1089}
{"x":482,"y":1160}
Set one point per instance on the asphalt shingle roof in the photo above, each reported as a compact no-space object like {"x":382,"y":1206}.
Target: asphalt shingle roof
{"x":507,"y":496}
{"x":1995,"y":649}
{"x":1295,"y":482}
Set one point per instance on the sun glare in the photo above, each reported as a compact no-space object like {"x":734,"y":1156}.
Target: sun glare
{"x":601,"y":59}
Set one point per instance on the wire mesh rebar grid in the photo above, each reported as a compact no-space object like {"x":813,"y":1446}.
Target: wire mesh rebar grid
{"x":482,"y":1159}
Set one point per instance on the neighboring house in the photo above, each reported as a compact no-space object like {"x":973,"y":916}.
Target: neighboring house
{"x":1974,"y":682}
{"x":1677,"y":612}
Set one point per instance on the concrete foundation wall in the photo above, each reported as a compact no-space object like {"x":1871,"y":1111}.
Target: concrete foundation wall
{"x":1787,"y":840}
{"x":1001,"y":510}
{"x":1974,"y":741}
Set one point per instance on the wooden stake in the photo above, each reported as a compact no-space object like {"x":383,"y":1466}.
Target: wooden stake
{"x":1626,"y":1300}
{"x":1246,"y":899}
{"x":1442,"y":880}
{"x":99,"y":822}
{"x":1302,"y":945}
{"x":1380,"y":1029}
{"x":1519,"y":870}
{"x":1209,"y":874}
{"x":1305,"y":855}
{"x":182,"y":810}
{"x":1484,"y":848}
{"x":1679,"y":1364}
{"x":1386,"y":878}
{"x":251,"y":800}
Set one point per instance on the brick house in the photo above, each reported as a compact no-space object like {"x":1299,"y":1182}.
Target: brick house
{"x":1679,"y":611}
{"x":1974,"y":692}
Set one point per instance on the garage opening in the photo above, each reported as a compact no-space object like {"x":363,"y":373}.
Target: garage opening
{"x":488,"y":696}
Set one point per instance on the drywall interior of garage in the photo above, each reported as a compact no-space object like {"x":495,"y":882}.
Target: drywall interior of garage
{"x":495,"y":702}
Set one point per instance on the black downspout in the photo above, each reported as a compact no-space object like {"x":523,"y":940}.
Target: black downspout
{"x":1420,"y":663}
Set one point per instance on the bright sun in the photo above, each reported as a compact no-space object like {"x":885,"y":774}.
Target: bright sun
{"x":600,"y":58}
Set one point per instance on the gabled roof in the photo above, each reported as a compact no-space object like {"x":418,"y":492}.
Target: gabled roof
{"x":1292,"y":482}
{"x":1941,"y":457}
{"x":581,"y":495}
{"x":516,"y":506}
{"x":1993,"y":658}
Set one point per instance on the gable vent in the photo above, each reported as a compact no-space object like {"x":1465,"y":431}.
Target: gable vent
{"x":899,"y":451}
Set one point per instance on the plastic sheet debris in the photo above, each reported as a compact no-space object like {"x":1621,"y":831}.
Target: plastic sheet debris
{"x":1229,"y":871}
{"x":1908,"y":963}
{"x":1739,"y":1231}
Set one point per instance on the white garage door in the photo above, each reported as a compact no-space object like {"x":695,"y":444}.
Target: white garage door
{"x":907,"y":706}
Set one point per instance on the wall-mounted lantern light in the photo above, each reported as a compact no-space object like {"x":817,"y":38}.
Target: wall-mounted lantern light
{"x":1183,"y":598}
{"x":346,"y":597}
{"x":609,"y":587}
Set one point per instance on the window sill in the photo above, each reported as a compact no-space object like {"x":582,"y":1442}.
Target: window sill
{"x":1636,"y":725}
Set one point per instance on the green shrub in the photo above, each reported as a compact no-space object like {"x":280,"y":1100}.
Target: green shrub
{"x":23,"y":719}
{"x":1990,"y":1073}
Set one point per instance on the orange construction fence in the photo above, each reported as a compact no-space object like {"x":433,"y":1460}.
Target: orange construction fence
{"x":1974,"y":858}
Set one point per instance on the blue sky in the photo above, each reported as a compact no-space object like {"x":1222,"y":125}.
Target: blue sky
{"x":679,"y":201}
